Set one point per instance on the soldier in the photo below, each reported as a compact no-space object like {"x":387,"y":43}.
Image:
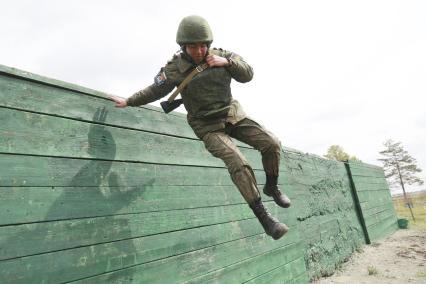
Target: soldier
{"x":215,"y":116}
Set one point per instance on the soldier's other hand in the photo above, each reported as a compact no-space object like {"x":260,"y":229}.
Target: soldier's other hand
{"x":216,"y":61}
{"x":119,"y":102}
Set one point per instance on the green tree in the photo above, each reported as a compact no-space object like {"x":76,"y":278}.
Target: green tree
{"x":400,"y":168}
{"x":336,"y":152}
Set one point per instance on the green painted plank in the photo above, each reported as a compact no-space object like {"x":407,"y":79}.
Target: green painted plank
{"x":33,"y":92}
{"x":11,"y":72}
{"x":299,"y":170}
{"x":72,"y":264}
{"x":185,"y":267}
{"x":374,"y":197}
{"x":298,"y":268}
{"x":379,"y":217}
{"x":286,"y":273}
{"x":278,"y":275}
{"x":375,"y":188}
{"x":34,"y":204}
{"x":312,"y":166}
{"x":303,"y":278}
{"x":36,"y":134}
{"x":372,"y":203}
{"x":43,"y":237}
{"x":384,"y":222}
{"x":365,"y":173}
{"x":249,"y":268}
{"x":19,"y":170}
{"x":383,"y":229}
{"x":369,"y":180}
{"x":378,"y":209}
{"x":38,"y":97}
{"x":366,"y":169}
{"x":371,"y":184}
{"x":27,"y":205}
{"x":370,"y":175}
{"x":356,"y":164}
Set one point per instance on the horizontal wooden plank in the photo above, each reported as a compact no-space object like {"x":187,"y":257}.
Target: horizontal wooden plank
{"x":365,"y":173}
{"x":382,"y":189}
{"x":286,"y":273}
{"x":191,"y":265}
{"x":77,"y":263}
{"x":303,"y":278}
{"x":369,"y":175}
{"x":384,"y":221}
{"x":378,"y":209}
{"x":382,"y":229}
{"x":307,"y":167}
{"x":357,"y":164}
{"x":44,"y":237}
{"x":249,"y":268}
{"x":20,"y":170}
{"x":382,"y":196}
{"x":378,"y":234}
{"x":379,"y":217}
{"x":362,"y":180}
{"x":369,"y":179}
{"x":34,"y":204}
{"x":31,"y":92}
{"x":11,"y":72}
{"x":278,"y":275}
{"x":37,"y":134}
{"x":50,"y":99}
{"x":298,"y":269}
{"x":340,"y":225}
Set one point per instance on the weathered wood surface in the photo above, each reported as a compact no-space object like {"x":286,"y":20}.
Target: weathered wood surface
{"x":375,"y":200}
{"x":84,"y":261}
{"x":329,"y":225}
{"x":91,"y":192}
{"x":94,"y":194}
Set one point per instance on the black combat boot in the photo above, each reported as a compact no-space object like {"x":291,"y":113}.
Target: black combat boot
{"x":272,"y":226}
{"x":271,"y":189}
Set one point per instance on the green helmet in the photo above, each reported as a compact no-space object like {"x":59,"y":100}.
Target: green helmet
{"x":194,"y":29}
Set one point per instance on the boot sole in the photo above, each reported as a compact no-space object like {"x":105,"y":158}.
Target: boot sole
{"x":279,"y":234}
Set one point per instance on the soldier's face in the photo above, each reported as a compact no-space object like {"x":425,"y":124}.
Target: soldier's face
{"x":197,"y":51}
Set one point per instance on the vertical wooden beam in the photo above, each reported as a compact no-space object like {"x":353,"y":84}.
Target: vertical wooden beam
{"x":358,"y":208}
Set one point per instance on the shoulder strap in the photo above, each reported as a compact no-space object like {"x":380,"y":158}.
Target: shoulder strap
{"x":198,"y":69}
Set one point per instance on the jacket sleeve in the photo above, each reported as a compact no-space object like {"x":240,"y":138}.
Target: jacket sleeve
{"x":240,"y":70}
{"x":159,"y":89}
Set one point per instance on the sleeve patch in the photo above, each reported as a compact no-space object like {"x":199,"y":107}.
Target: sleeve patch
{"x":160,"y":78}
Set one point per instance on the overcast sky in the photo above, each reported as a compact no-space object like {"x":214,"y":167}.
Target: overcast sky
{"x":350,"y":73}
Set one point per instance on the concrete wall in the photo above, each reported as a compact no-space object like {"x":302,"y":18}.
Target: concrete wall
{"x":90,"y":193}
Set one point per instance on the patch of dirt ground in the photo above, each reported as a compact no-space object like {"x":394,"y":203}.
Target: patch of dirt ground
{"x":400,"y":258}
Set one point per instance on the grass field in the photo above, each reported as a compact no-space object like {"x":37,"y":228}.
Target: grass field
{"x":418,"y":199}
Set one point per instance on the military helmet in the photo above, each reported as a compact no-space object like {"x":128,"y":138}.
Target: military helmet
{"x":194,"y":29}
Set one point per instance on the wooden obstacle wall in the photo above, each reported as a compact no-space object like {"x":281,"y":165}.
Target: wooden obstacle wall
{"x":94,"y":194}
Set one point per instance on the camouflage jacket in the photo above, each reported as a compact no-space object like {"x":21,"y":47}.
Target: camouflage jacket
{"x":207,"y":97}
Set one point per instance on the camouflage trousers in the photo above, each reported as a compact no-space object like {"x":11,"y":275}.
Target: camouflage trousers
{"x":220,"y":145}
